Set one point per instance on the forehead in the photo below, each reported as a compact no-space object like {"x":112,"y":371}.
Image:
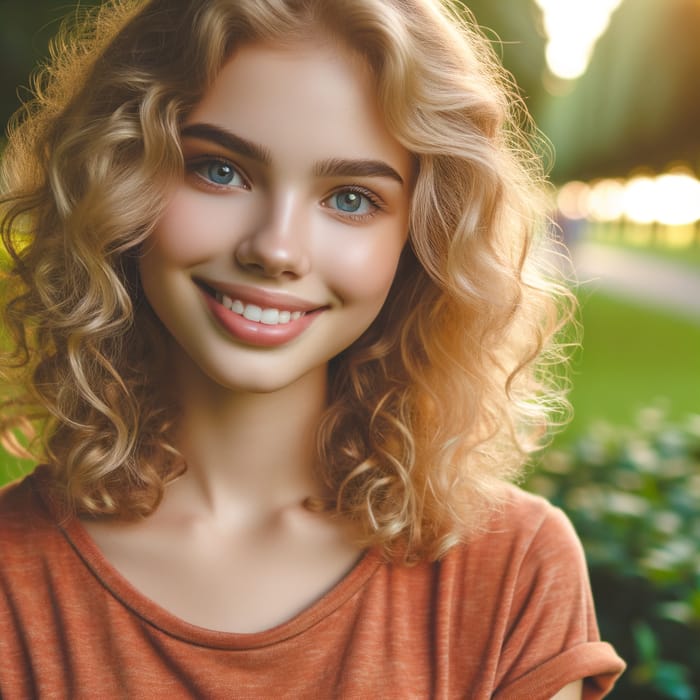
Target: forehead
{"x":317,"y":98}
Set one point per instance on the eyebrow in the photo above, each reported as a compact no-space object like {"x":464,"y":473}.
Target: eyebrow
{"x":356,"y":168}
{"x":236,"y":144}
{"x":333,"y":167}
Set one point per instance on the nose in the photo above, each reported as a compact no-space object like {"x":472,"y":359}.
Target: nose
{"x":277,"y":245}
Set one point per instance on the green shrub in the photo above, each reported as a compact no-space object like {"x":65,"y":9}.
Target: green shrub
{"x":633,"y":495}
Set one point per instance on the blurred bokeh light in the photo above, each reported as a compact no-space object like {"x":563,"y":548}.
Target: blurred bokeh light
{"x":572,"y":29}
{"x":671,"y":199}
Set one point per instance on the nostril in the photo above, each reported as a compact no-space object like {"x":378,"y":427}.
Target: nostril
{"x":265,"y":258}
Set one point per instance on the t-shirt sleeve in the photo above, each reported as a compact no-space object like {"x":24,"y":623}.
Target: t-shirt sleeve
{"x":552,"y":635}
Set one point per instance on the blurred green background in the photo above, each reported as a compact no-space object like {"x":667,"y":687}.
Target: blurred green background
{"x":615,"y":86}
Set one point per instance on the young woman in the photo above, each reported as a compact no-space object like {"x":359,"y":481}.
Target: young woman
{"x":279,"y":335}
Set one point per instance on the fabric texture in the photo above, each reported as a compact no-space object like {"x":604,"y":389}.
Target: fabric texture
{"x":506,"y":616}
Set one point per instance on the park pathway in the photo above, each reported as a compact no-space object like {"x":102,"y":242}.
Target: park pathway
{"x":639,"y":277}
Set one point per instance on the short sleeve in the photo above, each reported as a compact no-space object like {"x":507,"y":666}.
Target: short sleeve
{"x":552,"y":635}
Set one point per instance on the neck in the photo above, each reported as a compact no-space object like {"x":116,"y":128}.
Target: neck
{"x":250,"y":451}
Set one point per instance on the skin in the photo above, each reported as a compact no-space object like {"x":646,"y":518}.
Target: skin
{"x":573,"y":691}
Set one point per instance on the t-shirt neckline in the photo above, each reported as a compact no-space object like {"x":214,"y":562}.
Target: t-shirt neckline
{"x":151,"y":613}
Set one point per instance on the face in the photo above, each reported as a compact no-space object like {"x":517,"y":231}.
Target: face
{"x":278,"y":248}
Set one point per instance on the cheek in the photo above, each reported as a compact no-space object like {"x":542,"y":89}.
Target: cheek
{"x":189,"y":229}
{"x":363,"y":268}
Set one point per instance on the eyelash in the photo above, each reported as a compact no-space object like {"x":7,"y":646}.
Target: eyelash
{"x":376,"y":202}
{"x":193,"y":166}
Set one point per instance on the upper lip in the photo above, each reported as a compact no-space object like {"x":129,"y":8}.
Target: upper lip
{"x":263,"y":298}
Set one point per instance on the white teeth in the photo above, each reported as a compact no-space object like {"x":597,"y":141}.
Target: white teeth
{"x":252,"y":312}
{"x":270,"y":317}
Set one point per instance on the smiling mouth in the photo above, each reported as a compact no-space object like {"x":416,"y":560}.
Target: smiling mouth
{"x":268,"y":316}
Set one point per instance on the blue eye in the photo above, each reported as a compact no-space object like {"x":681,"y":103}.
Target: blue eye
{"x":350,"y":201}
{"x":219,"y":172}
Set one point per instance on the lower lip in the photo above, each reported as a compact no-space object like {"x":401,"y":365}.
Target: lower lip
{"x":260,"y":334}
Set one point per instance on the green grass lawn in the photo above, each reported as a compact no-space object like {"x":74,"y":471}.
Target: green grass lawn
{"x":631,"y":358}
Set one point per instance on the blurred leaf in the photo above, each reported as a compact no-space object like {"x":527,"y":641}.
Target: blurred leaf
{"x":672,"y":680}
{"x":645,"y":642}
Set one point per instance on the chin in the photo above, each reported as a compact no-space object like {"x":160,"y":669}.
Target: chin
{"x":265,"y":380}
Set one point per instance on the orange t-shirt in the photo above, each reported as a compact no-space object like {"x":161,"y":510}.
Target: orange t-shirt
{"x":506,"y":616}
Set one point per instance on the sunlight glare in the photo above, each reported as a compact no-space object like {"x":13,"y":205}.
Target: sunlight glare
{"x":573,"y":198}
{"x":639,"y":200}
{"x":678,"y":196}
{"x":606,"y":200}
{"x":671,"y":199}
{"x":572,"y":28}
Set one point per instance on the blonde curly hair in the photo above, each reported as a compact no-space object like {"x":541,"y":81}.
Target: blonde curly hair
{"x":438,"y":402}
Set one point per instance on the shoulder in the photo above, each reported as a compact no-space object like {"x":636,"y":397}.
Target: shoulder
{"x":524,"y":562}
{"x":527,"y":575}
{"x":534,"y":559}
{"x":16,"y":498}
{"x":524,"y":532}
{"x":27,"y":527}
{"x":525,"y":513}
